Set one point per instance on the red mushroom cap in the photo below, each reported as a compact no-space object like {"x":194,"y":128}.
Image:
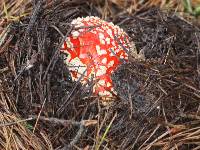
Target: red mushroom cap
{"x":95,"y":48}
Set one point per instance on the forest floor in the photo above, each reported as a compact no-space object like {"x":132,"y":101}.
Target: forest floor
{"x":40,"y":108}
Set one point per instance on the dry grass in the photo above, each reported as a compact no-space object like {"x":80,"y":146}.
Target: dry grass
{"x":15,"y":133}
{"x":13,"y":10}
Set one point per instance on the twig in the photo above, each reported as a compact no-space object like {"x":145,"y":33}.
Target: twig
{"x":154,"y":131}
{"x":39,"y":115}
{"x":34,"y":16}
{"x":76,"y":138}
{"x":56,"y":53}
{"x":16,"y":122}
{"x":67,"y":101}
{"x":190,"y":116}
{"x":83,"y":124}
{"x":66,"y":122}
{"x":3,"y":48}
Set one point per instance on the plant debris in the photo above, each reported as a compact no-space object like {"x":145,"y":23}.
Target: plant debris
{"x":157,"y":105}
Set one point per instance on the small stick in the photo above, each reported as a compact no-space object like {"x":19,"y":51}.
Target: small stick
{"x":64,"y":122}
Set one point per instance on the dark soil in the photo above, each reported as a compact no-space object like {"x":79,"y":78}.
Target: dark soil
{"x":161,"y":90}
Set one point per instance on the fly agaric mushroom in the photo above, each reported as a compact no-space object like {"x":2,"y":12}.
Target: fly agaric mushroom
{"x":95,"y":48}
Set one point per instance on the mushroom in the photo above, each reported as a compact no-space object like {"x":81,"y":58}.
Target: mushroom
{"x":95,"y":49}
